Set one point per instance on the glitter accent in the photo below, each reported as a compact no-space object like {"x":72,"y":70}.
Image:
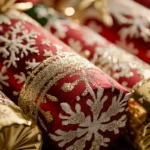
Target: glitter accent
{"x":51,"y":98}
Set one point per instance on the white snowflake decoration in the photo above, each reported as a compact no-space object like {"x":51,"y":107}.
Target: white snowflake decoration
{"x":47,"y":53}
{"x":32,"y":64}
{"x":14,"y":48}
{"x":138,"y":25}
{"x":92,"y":37}
{"x":89,"y":126}
{"x":4,"y":19}
{"x":3,"y":77}
{"x":127,"y":46}
{"x":75,"y":44}
{"x":61,"y":29}
{"x":138,"y":28}
{"x":20,"y":77}
{"x":46,"y":42}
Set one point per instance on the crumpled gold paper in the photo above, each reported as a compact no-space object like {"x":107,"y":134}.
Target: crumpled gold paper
{"x":136,"y":122}
{"x":139,"y":112}
{"x":16,"y":130}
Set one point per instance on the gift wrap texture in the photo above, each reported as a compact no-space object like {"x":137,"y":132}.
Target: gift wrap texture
{"x":77,"y":104}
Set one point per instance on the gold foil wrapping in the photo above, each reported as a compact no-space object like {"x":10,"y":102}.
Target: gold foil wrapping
{"x":16,"y":130}
{"x":136,"y":123}
{"x":142,"y":92}
{"x":139,"y":112}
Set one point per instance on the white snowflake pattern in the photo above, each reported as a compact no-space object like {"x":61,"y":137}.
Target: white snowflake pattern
{"x":109,"y":63}
{"x":138,"y":28}
{"x":13,"y":44}
{"x":60,"y":28}
{"x":32,"y":64}
{"x":138,"y":25}
{"x":20,"y":77}
{"x":92,"y":37}
{"x":58,"y":47}
{"x":91,"y":126}
{"x":4,"y":19}
{"x":75,"y":44}
{"x":3,"y":77}
{"x":47,"y":53}
{"x":46,"y":42}
{"x":127,"y":46}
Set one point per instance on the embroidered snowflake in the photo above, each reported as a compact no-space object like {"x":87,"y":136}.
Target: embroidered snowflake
{"x":89,"y":127}
{"x":12,"y":44}
{"x":137,"y":24}
{"x":3,"y":77}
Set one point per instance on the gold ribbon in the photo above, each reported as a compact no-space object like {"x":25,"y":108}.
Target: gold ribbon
{"x":137,"y":116}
